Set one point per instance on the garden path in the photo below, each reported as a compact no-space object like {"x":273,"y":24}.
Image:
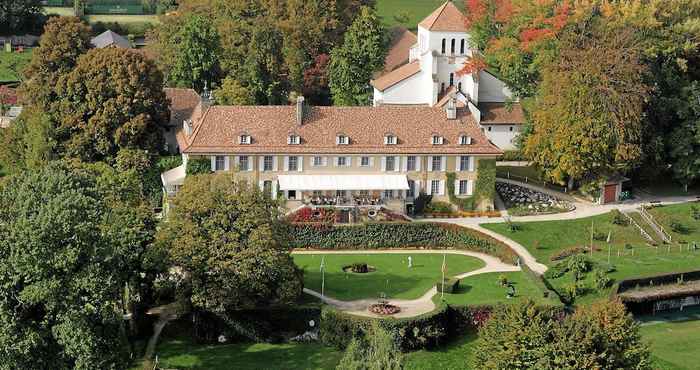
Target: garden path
{"x":413,"y":307}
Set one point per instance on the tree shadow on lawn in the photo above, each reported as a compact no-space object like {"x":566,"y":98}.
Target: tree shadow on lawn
{"x":184,"y":354}
{"x":352,"y":286}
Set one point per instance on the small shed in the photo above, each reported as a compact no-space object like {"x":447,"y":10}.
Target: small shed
{"x":110,"y":39}
{"x":611,"y":189}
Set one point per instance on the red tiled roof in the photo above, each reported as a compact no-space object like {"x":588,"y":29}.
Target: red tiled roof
{"x":446,"y":18}
{"x":269,"y":127}
{"x":501,"y":114}
{"x":401,"y":42}
{"x":8,"y":95}
{"x":183,"y":105}
{"x":446,"y":97}
{"x":392,"y":78}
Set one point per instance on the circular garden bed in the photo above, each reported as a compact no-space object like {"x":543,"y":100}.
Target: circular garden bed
{"x":384,"y":309}
{"x":359,"y":268}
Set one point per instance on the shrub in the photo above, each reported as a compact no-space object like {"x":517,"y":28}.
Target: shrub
{"x":679,"y":227}
{"x":557,"y":271}
{"x":198,"y":166}
{"x":599,"y":236}
{"x":579,"y":265}
{"x":359,"y":267}
{"x":377,"y":235}
{"x":601,"y":279}
{"x":618,"y":218}
{"x":502,"y":280}
{"x":568,"y":252}
{"x":696,"y":212}
{"x":450,"y":285}
{"x":438,"y":207}
{"x":513,"y":155}
{"x":337,"y":329}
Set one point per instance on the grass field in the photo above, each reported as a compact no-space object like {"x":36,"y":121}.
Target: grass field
{"x":184,"y":354}
{"x":521,"y":171}
{"x":415,"y":10}
{"x":543,"y":239}
{"x":673,"y":338}
{"x":392,"y":275}
{"x":105,"y":18}
{"x":453,"y":356}
{"x":11,"y":61}
{"x":682,"y":213}
{"x":485,"y":289}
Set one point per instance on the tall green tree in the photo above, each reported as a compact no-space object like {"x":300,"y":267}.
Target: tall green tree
{"x":524,"y":336}
{"x":231,"y":92}
{"x":353,"y":63}
{"x":19,"y":16}
{"x":684,"y":140}
{"x":197,"y":57}
{"x":227,"y":236}
{"x":70,"y":239}
{"x":63,"y":41}
{"x":112,"y":99}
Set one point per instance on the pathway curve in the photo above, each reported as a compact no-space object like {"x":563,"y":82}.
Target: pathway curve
{"x":409,"y":307}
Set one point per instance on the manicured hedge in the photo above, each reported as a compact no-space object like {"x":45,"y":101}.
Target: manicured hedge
{"x":397,"y":235}
{"x":425,"y":331}
{"x":451,"y":285}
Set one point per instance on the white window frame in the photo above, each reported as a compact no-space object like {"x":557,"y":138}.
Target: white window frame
{"x":408,"y":162}
{"x":436,"y":140}
{"x":342,"y":140}
{"x":465,"y":140}
{"x":345,"y":161}
{"x":435,"y":160}
{"x":390,"y":140}
{"x":248,"y":167}
{"x":264,"y":164}
{"x":362,"y":161}
{"x":296,"y":163}
{"x":245,"y":139}
{"x":435,"y":187}
{"x":462,"y":187}
{"x":293,"y":139}
{"x":319,"y":163}
{"x":223,"y":163}
{"x":393,"y":164}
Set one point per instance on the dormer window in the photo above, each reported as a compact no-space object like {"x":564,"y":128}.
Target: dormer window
{"x":342,"y":139}
{"x":293,"y":139}
{"x":187,"y":126}
{"x":436,"y":140}
{"x":465,"y":140}
{"x":390,"y":139}
{"x":244,"y":139}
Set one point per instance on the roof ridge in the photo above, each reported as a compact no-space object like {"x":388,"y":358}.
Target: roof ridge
{"x":441,"y":9}
{"x":197,"y":129}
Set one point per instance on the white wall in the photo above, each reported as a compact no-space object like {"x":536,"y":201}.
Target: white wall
{"x":412,"y":90}
{"x":491,"y":89}
{"x":502,"y":136}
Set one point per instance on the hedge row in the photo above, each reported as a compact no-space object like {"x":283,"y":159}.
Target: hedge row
{"x":397,"y":235}
{"x":427,"y":331}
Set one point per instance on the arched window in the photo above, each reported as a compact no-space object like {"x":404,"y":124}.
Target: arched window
{"x":452,"y":79}
{"x":461,"y":47}
{"x":459,"y":86}
{"x":452,"y":46}
{"x":444,"y":45}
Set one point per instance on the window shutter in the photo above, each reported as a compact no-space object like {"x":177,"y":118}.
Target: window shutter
{"x":429,"y":187}
{"x":300,"y":162}
{"x":458,"y":163}
{"x":471,"y":163}
{"x":416,"y":190}
{"x":261,"y":185}
{"x":274,"y":163}
{"x":418,"y":160}
{"x":457,"y":188}
{"x":443,"y":163}
{"x":404,"y":164}
{"x":470,"y":187}
{"x":383,"y":164}
{"x":286,"y":163}
{"x":371,"y":161}
{"x":261,"y":163}
{"x":213,"y":163}
{"x":324,"y":161}
{"x":251,"y":163}
{"x":386,"y":139}
{"x":397,"y":166}
{"x":442,"y":187}
{"x":348,"y":161}
{"x":227,"y":163}
{"x":274,"y":189}
{"x":431,"y":159}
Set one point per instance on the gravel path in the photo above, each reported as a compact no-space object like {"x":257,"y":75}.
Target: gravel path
{"x":412,"y":307}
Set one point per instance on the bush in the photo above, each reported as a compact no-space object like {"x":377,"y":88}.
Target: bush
{"x":198,"y":166}
{"x":696,"y":212}
{"x":557,"y":271}
{"x":502,"y":280}
{"x":450,"y":286}
{"x":679,"y":227}
{"x":599,"y":236}
{"x":359,"y":268}
{"x":337,"y":329}
{"x":378,"y":235}
{"x":568,"y":252}
{"x":438,"y":207}
{"x":618,"y":218}
{"x":513,"y":155}
{"x":601,"y":279}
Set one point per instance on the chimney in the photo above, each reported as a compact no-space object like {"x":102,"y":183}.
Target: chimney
{"x":300,"y":110}
{"x":451,"y":108}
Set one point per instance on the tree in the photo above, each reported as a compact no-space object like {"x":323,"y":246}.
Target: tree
{"x":316,"y":81}
{"x":376,"y":350}
{"x":684,"y":140}
{"x":19,"y":16}
{"x":28,"y":143}
{"x":227,"y":236}
{"x":263,"y":68}
{"x":588,"y":116}
{"x":197,"y":58}
{"x":71,"y":237}
{"x":112,"y":99}
{"x":232,"y":92}
{"x":353,"y":63}
{"x":525,"y":336}
{"x":63,"y":41}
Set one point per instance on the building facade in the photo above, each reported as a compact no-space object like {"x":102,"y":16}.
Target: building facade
{"x":337,"y":156}
{"x":432,"y":72}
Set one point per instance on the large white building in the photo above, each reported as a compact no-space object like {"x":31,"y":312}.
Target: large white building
{"x":429,"y":76}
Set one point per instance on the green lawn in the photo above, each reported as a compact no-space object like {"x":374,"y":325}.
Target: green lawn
{"x":521,"y":171}
{"x":416,"y":10}
{"x":485,"y":289}
{"x":184,"y":354}
{"x":9,"y":62}
{"x":392,"y":275}
{"x":674,"y":343}
{"x":682,"y":213}
{"x":453,"y":356}
{"x":105,"y":18}
{"x":641,"y":260}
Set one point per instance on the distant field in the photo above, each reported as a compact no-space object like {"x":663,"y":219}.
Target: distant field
{"x":416,"y":10}
{"x":119,"y":18}
{"x":10,"y":61}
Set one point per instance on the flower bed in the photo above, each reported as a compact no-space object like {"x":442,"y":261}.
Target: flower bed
{"x":522,"y":201}
{"x":384,"y":309}
{"x":359,"y":268}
